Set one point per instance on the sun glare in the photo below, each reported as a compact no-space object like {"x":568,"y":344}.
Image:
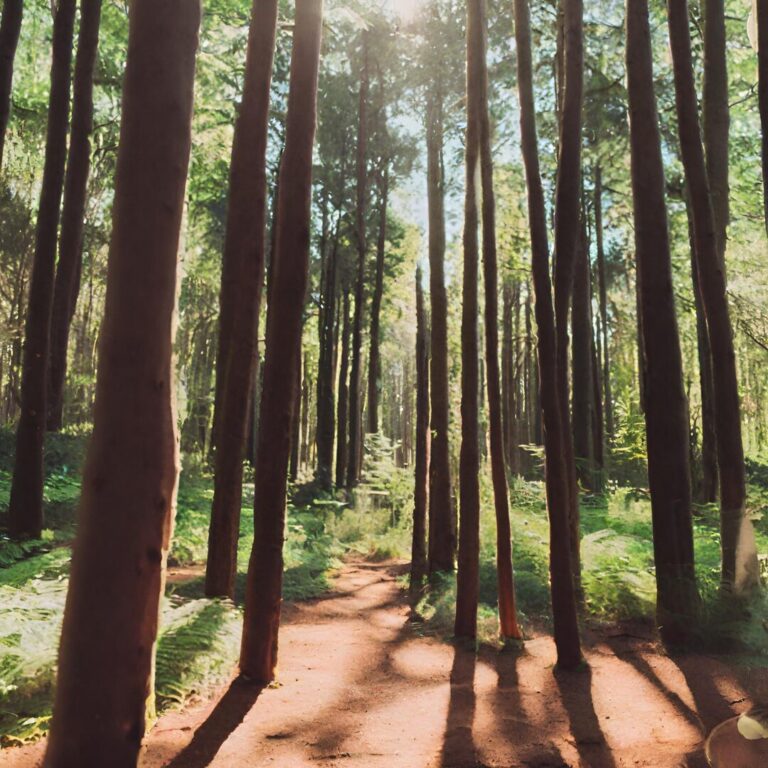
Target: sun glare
{"x":406,"y":10}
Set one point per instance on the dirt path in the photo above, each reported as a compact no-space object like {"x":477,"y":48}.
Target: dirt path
{"x":358,"y":689}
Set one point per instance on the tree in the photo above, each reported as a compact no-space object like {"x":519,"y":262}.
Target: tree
{"x":10,"y":28}
{"x":442,"y":536}
{"x":258,"y":656}
{"x":342,"y":444}
{"x":67,"y":283}
{"x":241,"y":282}
{"x":126,"y":510}
{"x":666,"y":406}
{"x":421,"y":463}
{"x":566,"y":625}
{"x":739,"y":554}
{"x":25,"y":511}
{"x":507,"y":609}
{"x":354,"y":459}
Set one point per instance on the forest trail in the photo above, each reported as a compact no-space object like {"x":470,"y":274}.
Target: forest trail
{"x":359,"y":688}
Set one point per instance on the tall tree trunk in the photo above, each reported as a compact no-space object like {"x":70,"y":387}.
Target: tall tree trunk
{"x":478,"y":71}
{"x":354,"y":461}
{"x":342,"y":408}
{"x":326,"y":419}
{"x":508,"y":413}
{"x":581,"y":362}
{"x":67,"y":283}
{"x":468,"y":571}
{"x":421,"y":464}
{"x":762,"y":93}
{"x":666,"y":411}
{"x":739,"y":554}
{"x":567,"y":238}
{"x":25,"y":511}
{"x":705,"y":489}
{"x":10,"y":28}
{"x":128,"y":499}
{"x":603,"y":293}
{"x":293,"y":461}
{"x":442,"y":529}
{"x":566,"y":626}
{"x":258,"y":655}
{"x":242,"y":276}
{"x":374,"y":358}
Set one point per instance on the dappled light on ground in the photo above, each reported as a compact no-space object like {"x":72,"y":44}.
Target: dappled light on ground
{"x":360,"y":687}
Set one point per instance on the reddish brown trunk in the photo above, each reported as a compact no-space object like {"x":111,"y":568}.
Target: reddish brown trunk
{"x":468,"y":572}
{"x":128,"y":497}
{"x":25,"y":511}
{"x":342,"y":445}
{"x":762,"y":93}
{"x":242,"y":276}
{"x":374,"y":359}
{"x":666,"y":411}
{"x":10,"y":28}
{"x":258,"y":655}
{"x":739,"y":555}
{"x":507,"y":608}
{"x":561,"y":573}
{"x":67,"y":284}
{"x":442,"y":527}
{"x":354,"y":460}
{"x":567,"y":238}
{"x":421,"y":464}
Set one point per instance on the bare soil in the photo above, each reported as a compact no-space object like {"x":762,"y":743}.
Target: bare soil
{"x":359,"y":687}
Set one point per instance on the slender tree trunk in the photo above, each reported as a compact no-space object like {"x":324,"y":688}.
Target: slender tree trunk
{"x":442,"y":529}
{"x":258,"y":656}
{"x":128,"y":499}
{"x":342,"y":444}
{"x":762,"y":93}
{"x":603,"y":292}
{"x":293,"y":461}
{"x":567,"y":238}
{"x":666,"y":412}
{"x":10,"y":28}
{"x":354,"y":462}
{"x":374,"y":359}
{"x":581,"y":362}
{"x":25,"y":511}
{"x":242,"y":278}
{"x":508,"y":414}
{"x":67,"y":283}
{"x":566,"y":626}
{"x":468,"y":572}
{"x":739,"y":554}
{"x":705,"y":490}
{"x":507,"y":607}
{"x":421,"y":464}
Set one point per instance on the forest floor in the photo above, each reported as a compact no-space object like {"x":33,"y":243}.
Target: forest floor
{"x":362,"y":686}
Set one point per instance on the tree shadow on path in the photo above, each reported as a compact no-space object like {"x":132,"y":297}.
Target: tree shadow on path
{"x":459,"y":748}
{"x":576,"y":696}
{"x":226,"y":716}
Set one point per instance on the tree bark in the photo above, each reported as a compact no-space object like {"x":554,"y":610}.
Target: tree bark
{"x":342,"y":444}
{"x":739,"y":554}
{"x":421,"y":464}
{"x":762,"y":93}
{"x":567,"y":238}
{"x":10,"y":28}
{"x":242,"y":277}
{"x":25,"y":511}
{"x":374,"y":357}
{"x":603,"y":293}
{"x":354,"y":461}
{"x":258,"y":656}
{"x":468,"y":571}
{"x":442,"y":528}
{"x":566,"y":627}
{"x":666,"y":407}
{"x":67,"y":283}
{"x":478,"y":72}
{"x":128,"y":497}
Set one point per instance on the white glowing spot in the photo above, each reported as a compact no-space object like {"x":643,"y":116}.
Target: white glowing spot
{"x":406,"y":10}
